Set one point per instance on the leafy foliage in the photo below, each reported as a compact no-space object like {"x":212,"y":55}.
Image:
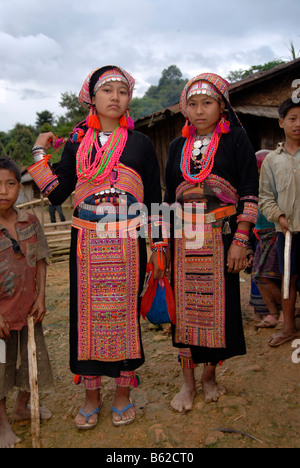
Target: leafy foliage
{"x":165,"y":94}
{"x":238,"y":75}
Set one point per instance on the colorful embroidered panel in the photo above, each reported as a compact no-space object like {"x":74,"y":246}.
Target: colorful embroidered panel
{"x":220,"y":187}
{"x":200,"y":291}
{"x":43,"y":177}
{"x":108,"y":282}
{"x":129,"y":181}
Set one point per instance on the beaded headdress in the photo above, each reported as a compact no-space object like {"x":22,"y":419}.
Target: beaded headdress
{"x":101,"y":76}
{"x":203,"y":87}
{"x":215,"y":86}
{"x":216,"y":83}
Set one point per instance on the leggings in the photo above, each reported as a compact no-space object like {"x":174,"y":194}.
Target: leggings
{"x":126,"y":379}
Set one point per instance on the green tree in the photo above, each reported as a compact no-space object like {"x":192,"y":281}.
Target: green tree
{"x":75,"y":112}
{"x":156,"y":98}
{"x":238,"y":75}
{"x":20,"y":142}
{"x":44,"y":117}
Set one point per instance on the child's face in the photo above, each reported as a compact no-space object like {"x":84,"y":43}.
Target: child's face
{"x":111,"y":100}
{"x":204,"y":112}
{"x":9,"y":189}
{"x":291,"y":124}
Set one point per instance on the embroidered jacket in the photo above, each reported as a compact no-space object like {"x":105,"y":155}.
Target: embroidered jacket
{"x":234,"y":177}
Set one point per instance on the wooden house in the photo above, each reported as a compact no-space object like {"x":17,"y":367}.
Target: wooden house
{"x":255,"y":99}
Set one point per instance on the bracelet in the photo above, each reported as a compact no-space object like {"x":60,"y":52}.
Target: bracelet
{"x":38,"y":148}
{"x":38,"y":153}
{"x":239,"y":242}
{"x":241,"y":238}
{"x":242,"y":232}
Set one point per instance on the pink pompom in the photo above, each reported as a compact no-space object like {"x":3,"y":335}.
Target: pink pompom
{"x":192,"y":130}
{"x":59,"y":142}
{"x":223,"y":126}
{"x":130,"y":123}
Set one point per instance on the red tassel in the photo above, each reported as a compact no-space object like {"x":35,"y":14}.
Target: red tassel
{"x":186,"y":130}
{"x":224,"y":126}
{"x":123,"y":121}
{"x":92,"y":121}
{"x":77,"y":379}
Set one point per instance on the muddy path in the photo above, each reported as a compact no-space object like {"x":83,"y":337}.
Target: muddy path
{"x":260,"y":409}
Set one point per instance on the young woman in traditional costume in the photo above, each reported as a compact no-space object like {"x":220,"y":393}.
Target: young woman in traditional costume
{"x":213,"y":163}
{"x":113,"y":170}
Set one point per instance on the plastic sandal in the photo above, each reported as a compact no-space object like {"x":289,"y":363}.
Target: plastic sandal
{"x":120,"y":412}
{"x":87,"y":426}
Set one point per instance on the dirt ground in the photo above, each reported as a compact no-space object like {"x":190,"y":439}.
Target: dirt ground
{"x":262,"y":400}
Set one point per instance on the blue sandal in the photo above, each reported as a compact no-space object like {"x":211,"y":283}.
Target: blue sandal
{"x":87,"y":426}
{"x":120,"y":412}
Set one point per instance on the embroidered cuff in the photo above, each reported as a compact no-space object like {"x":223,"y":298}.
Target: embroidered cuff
{"x":43,"y":176}
{"x":249,"y":213}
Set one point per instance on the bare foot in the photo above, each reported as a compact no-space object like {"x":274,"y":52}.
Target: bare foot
{"x":211,"y":390}
{"x":24,"y":415}
{"x":121,"y":401}
{"x":8,"y":438}
{"x":183,"y":401}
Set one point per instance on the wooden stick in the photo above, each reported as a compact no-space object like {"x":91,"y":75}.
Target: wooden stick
{"x":287,"y":265}
{"x":2,"y":352}
{"x":236,"y":431}
{"x":34,"y":390}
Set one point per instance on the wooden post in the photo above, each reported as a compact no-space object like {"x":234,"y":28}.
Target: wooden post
{"x":34,"y":390}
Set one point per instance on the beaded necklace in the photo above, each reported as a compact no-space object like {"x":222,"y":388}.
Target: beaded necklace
{"x":98,"y":168}
{"x":205,"y":165}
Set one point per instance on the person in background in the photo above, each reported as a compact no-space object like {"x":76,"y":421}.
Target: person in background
{"x":266,"y":276}
{"x":279,"y":202}
{"x":53,"y":209}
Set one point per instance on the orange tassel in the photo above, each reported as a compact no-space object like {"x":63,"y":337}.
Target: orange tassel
{"x":77,"y":379}
{"x":186,"y":130}
{"x":92,"y":121}
{"x":123,"y":121}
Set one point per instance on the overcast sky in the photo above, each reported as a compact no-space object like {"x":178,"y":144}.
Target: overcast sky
{"x":49,"y":47}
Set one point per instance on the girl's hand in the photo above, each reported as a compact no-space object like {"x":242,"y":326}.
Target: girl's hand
{"x":46,"y":140}
{"x":236,"y":259}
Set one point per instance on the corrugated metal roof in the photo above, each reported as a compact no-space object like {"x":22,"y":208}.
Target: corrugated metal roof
{"x":259,"y":111}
